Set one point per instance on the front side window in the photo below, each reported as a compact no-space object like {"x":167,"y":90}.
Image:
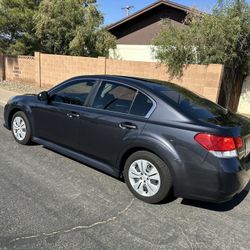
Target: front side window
{"x":75,"y":94}
{"x":114,"y":97}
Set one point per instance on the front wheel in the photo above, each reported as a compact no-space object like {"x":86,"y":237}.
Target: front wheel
{"x":21,"y":128}
{"x":147,"y":177}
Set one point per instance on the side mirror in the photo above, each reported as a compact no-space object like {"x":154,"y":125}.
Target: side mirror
{"x":43,"y":96}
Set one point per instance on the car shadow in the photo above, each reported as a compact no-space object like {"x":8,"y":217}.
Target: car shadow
{"x":84,"y":164}
{"x":32,"y":144}
{"x":219,"y":207}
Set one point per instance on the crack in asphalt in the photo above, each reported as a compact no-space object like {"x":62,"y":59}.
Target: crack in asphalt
{"x":64,"y":231}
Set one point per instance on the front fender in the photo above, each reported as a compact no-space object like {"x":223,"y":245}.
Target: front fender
{"x":14,"y":107}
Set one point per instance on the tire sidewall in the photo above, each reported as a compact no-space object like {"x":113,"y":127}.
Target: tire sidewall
{"x":27,"y":138}
{"x":166,"y":180}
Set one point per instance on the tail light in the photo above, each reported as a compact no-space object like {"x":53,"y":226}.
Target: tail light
{"x":220,"y":146}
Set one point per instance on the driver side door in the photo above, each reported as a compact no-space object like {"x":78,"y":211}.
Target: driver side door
{"x":58,"y":120}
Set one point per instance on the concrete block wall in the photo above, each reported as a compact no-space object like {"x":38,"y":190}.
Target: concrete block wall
{"x":46,"y":70}
{"x":20,"y":68}
{"x":56,"y":68}
{"x":202,"y":79}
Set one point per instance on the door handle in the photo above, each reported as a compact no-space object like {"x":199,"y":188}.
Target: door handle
{"x":127,"y":125}
{"x":73,"y":115}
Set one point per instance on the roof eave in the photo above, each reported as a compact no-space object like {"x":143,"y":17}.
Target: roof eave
{"x":147,"y":8}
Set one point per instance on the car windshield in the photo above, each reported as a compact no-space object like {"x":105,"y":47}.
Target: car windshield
{"x":188,"y":101}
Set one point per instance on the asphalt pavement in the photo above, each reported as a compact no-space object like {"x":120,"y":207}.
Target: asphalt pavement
{"x":48,"y":201}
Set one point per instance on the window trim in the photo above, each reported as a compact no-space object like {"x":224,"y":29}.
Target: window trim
{"x":96,"y":88}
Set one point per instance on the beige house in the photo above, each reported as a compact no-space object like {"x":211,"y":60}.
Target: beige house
{"x":244,"y":104}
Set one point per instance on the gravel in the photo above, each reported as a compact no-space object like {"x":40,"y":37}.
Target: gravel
{"x":20,"y":87}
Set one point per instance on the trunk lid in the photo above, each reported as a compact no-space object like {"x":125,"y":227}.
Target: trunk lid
{"x":232,"y":120}
{"x":235,"y":120}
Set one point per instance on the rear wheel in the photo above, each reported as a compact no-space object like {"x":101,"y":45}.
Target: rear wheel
{"x":147,"y":177}
{"x":21,"y":128}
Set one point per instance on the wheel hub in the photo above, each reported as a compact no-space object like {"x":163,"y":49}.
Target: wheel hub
{"x":19,"y":128}
{"x":144,"y":178}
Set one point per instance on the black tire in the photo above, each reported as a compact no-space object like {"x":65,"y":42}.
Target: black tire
{"x":164,"y":173}
{"x":27,"y":139}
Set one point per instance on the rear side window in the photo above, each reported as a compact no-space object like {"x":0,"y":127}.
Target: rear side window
{"x":188,"y":101}
{"x":114,"y":97}
{"x":142,"y":105}
{"x":117,"y":97}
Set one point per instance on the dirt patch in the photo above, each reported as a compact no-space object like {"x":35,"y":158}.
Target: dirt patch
{"x":20,"y":87}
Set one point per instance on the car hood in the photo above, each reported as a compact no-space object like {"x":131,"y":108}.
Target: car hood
{"x":22,"y":98}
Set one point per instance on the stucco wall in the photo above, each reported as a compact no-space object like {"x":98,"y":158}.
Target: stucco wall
{"x":244,"y":104}
{"x":141,"y":53}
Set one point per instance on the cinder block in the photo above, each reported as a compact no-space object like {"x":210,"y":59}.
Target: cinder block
{"x":210,"y":91}
{"x":52,"y":69}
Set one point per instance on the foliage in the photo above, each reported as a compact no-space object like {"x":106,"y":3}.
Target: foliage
{"x":72,"y":28}
{"x":16,"y":26}
{"x":221,"y":37}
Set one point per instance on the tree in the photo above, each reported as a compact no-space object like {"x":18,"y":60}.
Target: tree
{"x":71,"y":27}
{"x":222,"y":37}
{"x":17,"y":34}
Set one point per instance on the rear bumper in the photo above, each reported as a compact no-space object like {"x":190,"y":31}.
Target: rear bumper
{"x":232,"y":184}
{"x":217,"y":182}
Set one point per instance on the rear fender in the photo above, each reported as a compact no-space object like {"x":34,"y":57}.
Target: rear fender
{"x":162,"y":148}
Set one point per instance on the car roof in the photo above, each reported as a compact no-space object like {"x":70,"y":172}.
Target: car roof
{"x":137,"y":82}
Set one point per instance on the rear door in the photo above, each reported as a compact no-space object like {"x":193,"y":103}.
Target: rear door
{"x":116,"y":117}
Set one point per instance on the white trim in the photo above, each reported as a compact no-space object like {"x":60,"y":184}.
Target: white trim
{"x":225,"y":154}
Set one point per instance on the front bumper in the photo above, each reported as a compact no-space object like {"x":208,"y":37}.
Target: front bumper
{"x":6,"y":116}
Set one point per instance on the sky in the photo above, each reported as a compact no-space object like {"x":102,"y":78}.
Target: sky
{"x":112,"y":9}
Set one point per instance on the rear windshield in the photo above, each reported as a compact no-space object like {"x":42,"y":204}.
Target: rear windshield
{"x":187,"y":101}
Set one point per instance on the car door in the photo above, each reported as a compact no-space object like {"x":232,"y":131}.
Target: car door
{"x":58,"y":120}
{"x":114,"y":120}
